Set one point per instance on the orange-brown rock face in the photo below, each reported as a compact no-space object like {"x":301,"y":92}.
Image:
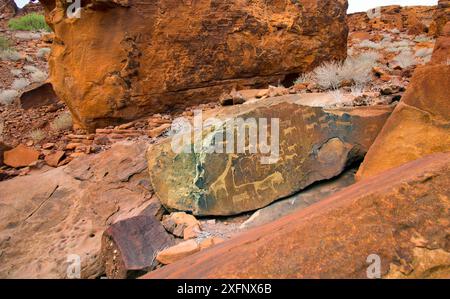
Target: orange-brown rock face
{"x":400,"y":217}
{"x":441,"y":52}
{"x":310,"y":144}
{"x":124,"y":59}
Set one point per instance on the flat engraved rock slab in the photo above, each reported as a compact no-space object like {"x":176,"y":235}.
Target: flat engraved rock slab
{"x":398,"y":218}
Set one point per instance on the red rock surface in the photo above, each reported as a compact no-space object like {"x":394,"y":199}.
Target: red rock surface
{"x":401,"y":215}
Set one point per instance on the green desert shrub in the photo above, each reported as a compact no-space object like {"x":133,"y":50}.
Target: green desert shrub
{"x":29,"y":22}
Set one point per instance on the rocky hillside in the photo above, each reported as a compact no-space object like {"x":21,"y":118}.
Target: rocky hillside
{"x":224,"y":140}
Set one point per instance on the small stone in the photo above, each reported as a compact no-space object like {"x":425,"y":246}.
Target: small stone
{"x":391,"y":89}
{"x":51,"y":108}
{"x":385,"y":78}
{"x":178,"y":231}
{"x":24,"y":171}
{"x":177,"y":252}
{"x":3,"y":148}
{"x":226,"y":99}
{"x":184,"y":218}
{"x":378,"y":71}
{"x":275,"y":91}
{"x":83,"y":149}
{"x":346,"y":83}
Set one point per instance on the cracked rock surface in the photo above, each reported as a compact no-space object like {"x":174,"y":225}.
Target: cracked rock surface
{"x":152,"y":57}
{"x":314,"y":144}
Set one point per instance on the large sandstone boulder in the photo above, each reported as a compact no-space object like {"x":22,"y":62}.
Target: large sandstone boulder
{"x":441,"y":52}
{"x":47,"y":217}
{"x":125,"y":59}
{"x":314,"y":144}
{"x":397,"y":220}
{"x":418,"y":126}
